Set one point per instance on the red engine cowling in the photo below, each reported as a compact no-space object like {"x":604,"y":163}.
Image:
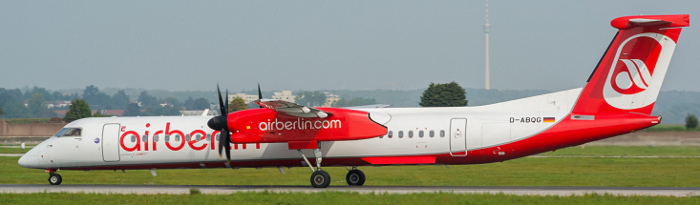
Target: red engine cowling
{"x":267,"y":126}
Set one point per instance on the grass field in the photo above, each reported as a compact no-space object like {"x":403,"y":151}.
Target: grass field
{"x":587,"y":167}
{"x":15,"y":150}
{"x":670,"y":128}
{"x":591,"y":170}
{"x":663,"y":151}
{"x":633,"y":172}
{"x":335,"y":198}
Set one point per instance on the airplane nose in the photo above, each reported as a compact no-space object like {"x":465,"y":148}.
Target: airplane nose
{"x":24,"y":161}
{"x":29,"y":160}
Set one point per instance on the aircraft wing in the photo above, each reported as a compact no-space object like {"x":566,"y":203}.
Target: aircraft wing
{"x":291,"y":108}
{"x":368,"y":106}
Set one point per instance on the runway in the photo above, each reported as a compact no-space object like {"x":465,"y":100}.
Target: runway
{"x":222,"y":189}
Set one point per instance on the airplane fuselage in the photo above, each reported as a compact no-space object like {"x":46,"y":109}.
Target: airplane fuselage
{"x":461,"y":135}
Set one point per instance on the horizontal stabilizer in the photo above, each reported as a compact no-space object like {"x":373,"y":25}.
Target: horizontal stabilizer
{"x":658,"y":21}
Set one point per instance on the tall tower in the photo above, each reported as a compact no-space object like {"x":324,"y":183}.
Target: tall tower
{"x":487,"y":28}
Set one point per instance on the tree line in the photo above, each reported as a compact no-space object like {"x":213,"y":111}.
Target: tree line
{"x":34,"y":103}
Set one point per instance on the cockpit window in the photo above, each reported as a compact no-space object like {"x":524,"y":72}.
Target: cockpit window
{"x":69,"y":132}
{"x":61,"y":132}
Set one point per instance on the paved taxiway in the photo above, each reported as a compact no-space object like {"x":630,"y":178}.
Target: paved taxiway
{"x":185,"y":189}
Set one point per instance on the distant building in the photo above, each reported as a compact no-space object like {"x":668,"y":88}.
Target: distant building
{"x":198,"y":112}
{"x":58,"y":104}
{"x":109,"y":112}
{"x":247,"y":98}
{"x":285,"y":95}
{"x":112,"y":112}
{"x":62,"y":113}
{"x":330,"y":99}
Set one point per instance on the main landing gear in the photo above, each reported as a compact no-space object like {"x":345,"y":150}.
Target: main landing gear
{"x":55,"y":179}
{"x":355,"y":177}
{"x":321,"y":179}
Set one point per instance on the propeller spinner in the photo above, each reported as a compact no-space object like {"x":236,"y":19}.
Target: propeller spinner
{"x":220,"y":123}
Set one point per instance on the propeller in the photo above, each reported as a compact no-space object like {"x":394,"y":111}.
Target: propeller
{"x":259,"y":94}
{"x":220,"y":123}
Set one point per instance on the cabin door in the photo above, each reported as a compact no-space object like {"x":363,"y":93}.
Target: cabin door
{"x":110,"y":142}
{"x":458,"y":137}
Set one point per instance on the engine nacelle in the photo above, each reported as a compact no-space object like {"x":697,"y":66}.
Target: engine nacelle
{"x":267,"y":126}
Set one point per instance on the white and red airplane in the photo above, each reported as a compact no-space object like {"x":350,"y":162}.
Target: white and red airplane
{"x":618,"y":98}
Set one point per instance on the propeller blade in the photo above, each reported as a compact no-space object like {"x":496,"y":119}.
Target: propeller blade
{"x":227,"y":145}
{"x":221,"y":102}
{"x":221,"y":143}
{"x":220,"y":123}
{"x":226,"y":101}
{"x":259,"y":94}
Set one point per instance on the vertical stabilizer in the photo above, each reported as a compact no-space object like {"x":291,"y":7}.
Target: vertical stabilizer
{"x":629,"y":75}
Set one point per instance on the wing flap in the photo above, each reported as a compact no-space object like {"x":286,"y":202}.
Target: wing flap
{"x":291,"y":108}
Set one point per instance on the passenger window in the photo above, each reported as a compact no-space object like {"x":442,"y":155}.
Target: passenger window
{"x":155,"y":138}
{"x":133,"y":138}
{"x":188,"y":137}
{"x":167,"y":138}
{"x":400,"y":134}
{"x":144,"y":138}
{"x":420,"y":134}
{"x":432,"y":133}
{"x":391,"y":134}
{"x":177,"y":138}
{"x":209,"y":137}
{"x":410,"y":134}
{"x":217,"y":136}
{"x":442,"y":133}
{"x":69,"y":132}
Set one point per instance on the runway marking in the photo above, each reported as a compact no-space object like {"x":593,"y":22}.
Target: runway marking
{"x":209,"y":189}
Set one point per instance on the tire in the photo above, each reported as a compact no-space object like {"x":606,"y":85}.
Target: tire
{"x":55,"y":179}
{"x":355,"y":178}
{"x":320,"y":179}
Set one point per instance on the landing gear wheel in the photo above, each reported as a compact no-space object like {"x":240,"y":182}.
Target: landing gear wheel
{"x":55,"y":179}
{"x":320,"y":179}
{"x":355,"y":178}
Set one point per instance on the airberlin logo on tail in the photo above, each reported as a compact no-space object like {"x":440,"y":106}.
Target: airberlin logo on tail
{"x":637,"y":71}
{"x":631,"y":83}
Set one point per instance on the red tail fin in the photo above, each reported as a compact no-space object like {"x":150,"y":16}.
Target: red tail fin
{"x":630,"y":73}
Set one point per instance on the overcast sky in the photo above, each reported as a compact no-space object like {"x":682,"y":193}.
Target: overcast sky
{"x":314,"y":45}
